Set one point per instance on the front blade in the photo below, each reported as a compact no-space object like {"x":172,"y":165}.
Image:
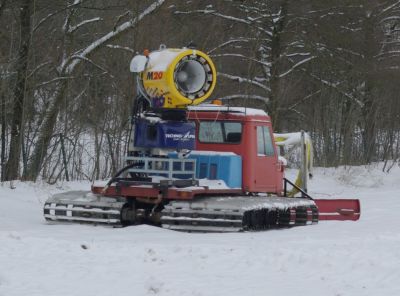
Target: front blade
{"x":338,"y":209}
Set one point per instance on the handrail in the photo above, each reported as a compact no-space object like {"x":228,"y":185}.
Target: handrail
{"x":163,"y":166}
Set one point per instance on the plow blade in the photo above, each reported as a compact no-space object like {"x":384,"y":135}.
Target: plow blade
{"x":338,"y":209}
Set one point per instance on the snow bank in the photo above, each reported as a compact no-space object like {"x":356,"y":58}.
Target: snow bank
{"x":331,"y":258}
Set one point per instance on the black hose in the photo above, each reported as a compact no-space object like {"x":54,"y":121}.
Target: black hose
{"x":114,"y":178}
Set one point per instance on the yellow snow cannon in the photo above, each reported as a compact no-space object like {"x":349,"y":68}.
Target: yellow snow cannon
{"x":175,"y":78}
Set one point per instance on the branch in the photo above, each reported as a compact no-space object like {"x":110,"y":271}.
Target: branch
{"x":241,"y":79}
{"x":296,"y":54}
{"x":120,"y":47}
{"x":53,"y":80}
{"x":340,"y":49}
{"x":227,"y":17}
{"x":297,"y":65}
{"x":94,"y":64}
{"x":335,"y":87}
{"x":119,"y":18}
{"x":390,"y":7}
{"x":68,"y":66}
{"x":76,"y":3}
{"x":227,"y":43}
{"x":38,"y":68}
{"x":241,"y":56}
{"x":390,"y":18}
{"x":76,"y":27}
{"x":215,"y":13}
{"x":303,"y":99}
{"x":389,"y":52}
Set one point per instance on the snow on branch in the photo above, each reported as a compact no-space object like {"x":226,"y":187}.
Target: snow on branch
{"x":390,"y":42}
{"x":297,"y":65}
{"x":245,"y":21}
{"x":76,"y":27}
{"x":297,"y":54}
{"x":262,"y":8}
{"x":389,"y":52}
{"x":246,"y":80}
{"x":340,"y":49}
{"x":394,"y":5}
{"x":358,"y":29}
{"x":76,"y":3}
{"x":215,"y":13}
{"x":69,"y":64}
{"x":335,"y":87}
{"x":304,"y":99}
{"x":389,"y":19}
{"x":226,"y":43}
{"x":241,"y":56}
{"x":113,"y":46}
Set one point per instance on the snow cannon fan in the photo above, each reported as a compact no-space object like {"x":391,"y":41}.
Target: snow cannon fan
{"x":175,"y":78}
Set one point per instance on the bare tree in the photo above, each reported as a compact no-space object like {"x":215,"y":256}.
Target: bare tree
{"x":11,"y":170}
{"x":67,"y":67}
{"x":267,"y":45}
{"x":358,"y":44}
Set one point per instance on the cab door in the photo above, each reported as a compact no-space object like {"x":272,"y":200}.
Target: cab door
{"x":266,"y":165}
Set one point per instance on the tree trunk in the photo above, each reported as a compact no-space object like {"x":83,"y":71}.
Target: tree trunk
{"x":369,"y":109}
{"x":112,"y":154}
{"x":347,"y":134}
{"x":45,"y":134}
{"x":3,"y":135}
{"x":12,"y":165}
{"x":276,"y":51}
{"x":2,"y":6}
{"x":369,"y":132}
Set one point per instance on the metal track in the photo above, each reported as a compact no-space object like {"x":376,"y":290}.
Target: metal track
{"x":207,"y":214}
{"x":85,"y":207}
{"x":233,"y":214}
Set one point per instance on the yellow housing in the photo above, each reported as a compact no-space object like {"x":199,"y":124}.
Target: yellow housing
{"x":176,"y":78}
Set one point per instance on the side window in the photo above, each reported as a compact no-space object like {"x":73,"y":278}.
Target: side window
{"x":264,"y":141}
{"x":269,"y":148}
{"x":260,"y":141}
{"x":233,"y":132}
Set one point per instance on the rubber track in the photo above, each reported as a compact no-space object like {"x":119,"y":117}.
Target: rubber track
{"x":229,"y":215}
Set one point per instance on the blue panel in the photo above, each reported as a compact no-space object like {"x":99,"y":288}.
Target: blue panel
{"x":165,"y":134}
{"x":230,"y":170}
{"x":218,"y":167}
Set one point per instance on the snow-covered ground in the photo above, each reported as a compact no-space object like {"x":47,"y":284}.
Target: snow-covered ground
{"x":331,"y":258}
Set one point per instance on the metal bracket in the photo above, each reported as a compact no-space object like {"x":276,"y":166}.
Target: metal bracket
{"x":304,"y":194}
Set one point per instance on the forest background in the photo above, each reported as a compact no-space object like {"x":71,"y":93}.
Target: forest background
{"x":328,"y":67}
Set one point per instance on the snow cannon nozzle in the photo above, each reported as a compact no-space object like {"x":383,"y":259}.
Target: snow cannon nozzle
{"x":175,"y":78}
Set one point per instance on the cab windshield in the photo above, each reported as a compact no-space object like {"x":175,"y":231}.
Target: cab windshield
{"x":220,"y":132}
